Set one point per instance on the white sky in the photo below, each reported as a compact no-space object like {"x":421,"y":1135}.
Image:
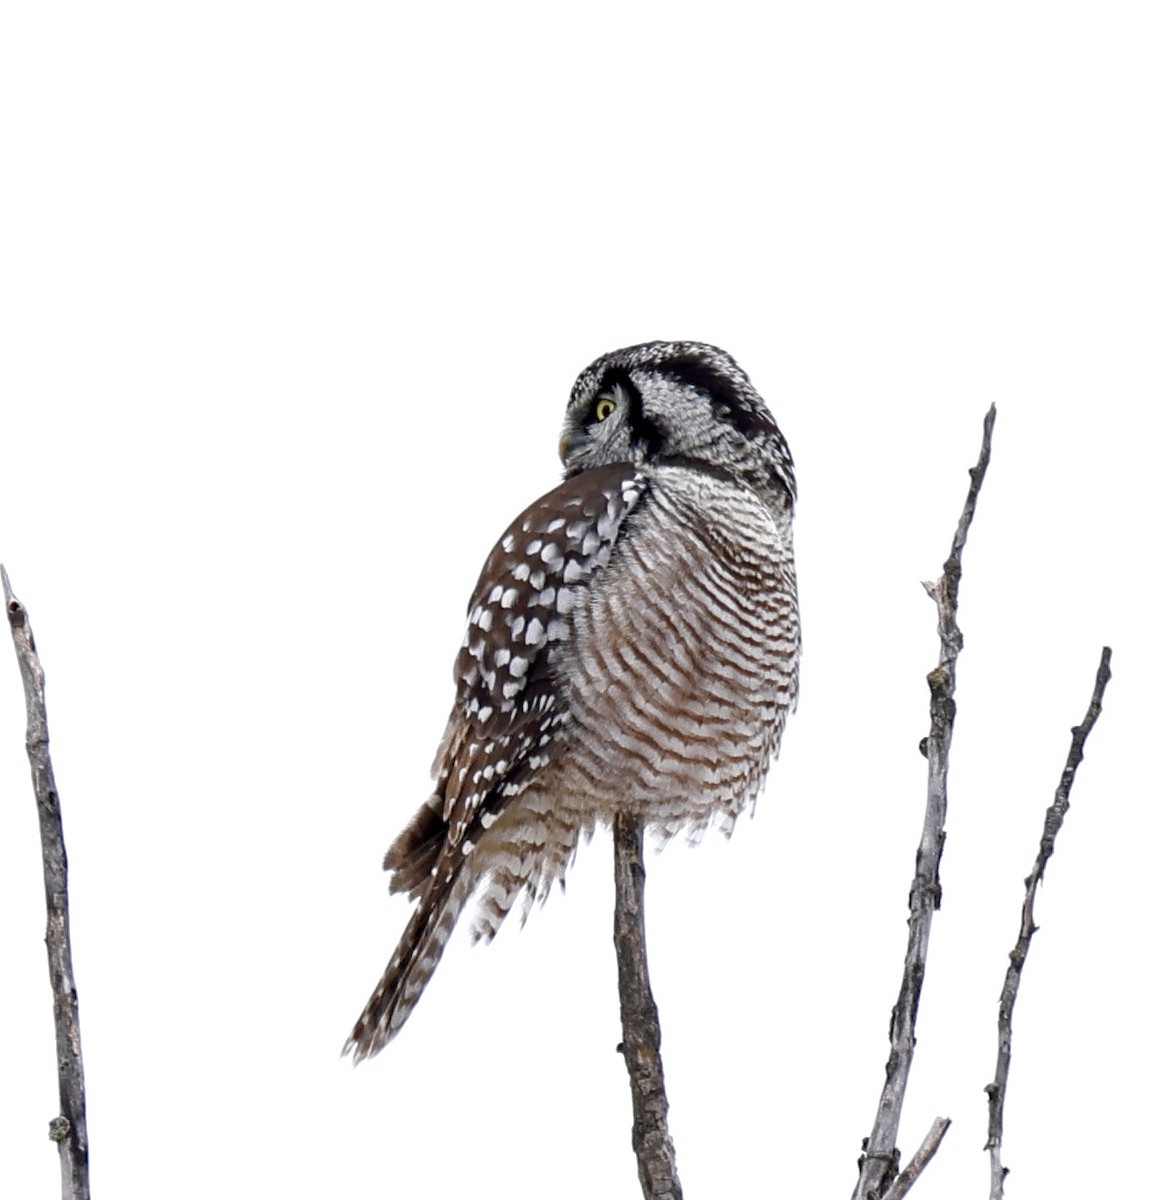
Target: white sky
{"x":292,"y":298}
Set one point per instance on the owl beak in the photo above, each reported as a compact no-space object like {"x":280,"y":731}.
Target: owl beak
{"x":564,"y":446}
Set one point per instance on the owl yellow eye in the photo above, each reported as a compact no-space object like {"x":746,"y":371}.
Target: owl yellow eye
{"x":604,"y":407}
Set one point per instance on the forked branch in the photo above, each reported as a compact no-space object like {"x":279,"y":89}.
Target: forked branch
{"x":879,"y":1165}
{"x":913,"y":1169}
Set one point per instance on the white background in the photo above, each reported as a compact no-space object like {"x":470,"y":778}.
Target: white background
{"x":293,"y":296}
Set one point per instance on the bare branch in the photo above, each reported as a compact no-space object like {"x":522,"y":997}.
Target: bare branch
{"x":69,"y":1130}
{"x":878,"y":1167}
{"x":1055,"y":814}
{"x":650,"y":1136}
{"x":923,"y":1155}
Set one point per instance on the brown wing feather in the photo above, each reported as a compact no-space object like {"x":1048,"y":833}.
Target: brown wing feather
{"x":506,"y":723}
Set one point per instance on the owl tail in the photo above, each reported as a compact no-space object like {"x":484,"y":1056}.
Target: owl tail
{"x":411,"y":966}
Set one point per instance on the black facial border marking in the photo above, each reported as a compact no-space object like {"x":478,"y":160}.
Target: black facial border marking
{"x":643,"y":429}
{"x":728,"y":402}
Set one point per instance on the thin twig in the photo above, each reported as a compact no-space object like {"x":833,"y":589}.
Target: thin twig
{"x":917,"y":1164}
{"x":879,"y":1165}
{"x":650,"y":1135}
{"x":70,"y":1128}
{"x":996,"y":1091}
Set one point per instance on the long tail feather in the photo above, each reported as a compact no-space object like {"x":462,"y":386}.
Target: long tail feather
{"x":411,"y":966}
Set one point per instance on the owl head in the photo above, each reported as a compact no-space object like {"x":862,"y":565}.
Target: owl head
{"x":684,"y":403}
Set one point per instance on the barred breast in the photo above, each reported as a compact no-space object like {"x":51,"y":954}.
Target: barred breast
{"x":677,"y":679}
{"x":683,"y":664}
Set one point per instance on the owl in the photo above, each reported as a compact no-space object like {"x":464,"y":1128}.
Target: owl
{"x":632,"y":645}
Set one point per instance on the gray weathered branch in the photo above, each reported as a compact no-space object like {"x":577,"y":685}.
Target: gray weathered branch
{"x":879,"y":1165}
{"x":996,"y":1091}
{"x":69,"y":1130}
{"x":916,"y":1166}
{"x":650,"y":1136}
